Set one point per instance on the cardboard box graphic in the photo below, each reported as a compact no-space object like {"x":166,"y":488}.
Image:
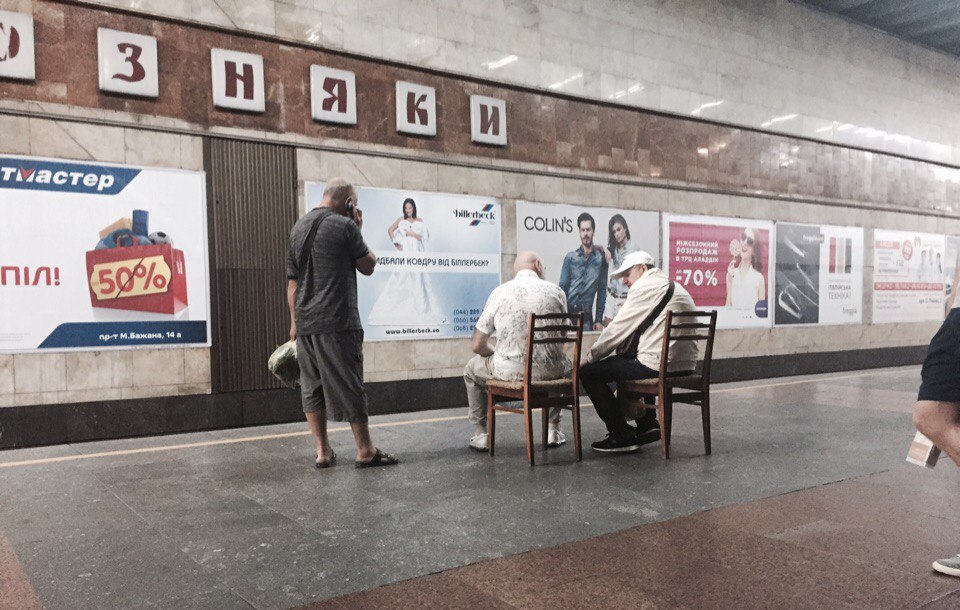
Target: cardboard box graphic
{"x":138,"y":278}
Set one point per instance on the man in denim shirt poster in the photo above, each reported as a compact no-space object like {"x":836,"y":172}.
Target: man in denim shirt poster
{"x":583,"y":277}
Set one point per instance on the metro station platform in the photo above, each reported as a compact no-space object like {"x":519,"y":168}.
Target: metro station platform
{"x":805,"y":502}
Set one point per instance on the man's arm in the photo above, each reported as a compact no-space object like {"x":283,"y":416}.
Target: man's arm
{"x":292,"y":304}
{"x":366,"y":263}
{"x":481,"y":343}
{"x":634,"y":310}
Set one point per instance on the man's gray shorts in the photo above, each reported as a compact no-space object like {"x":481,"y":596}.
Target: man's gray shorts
{"x":331,"y":375}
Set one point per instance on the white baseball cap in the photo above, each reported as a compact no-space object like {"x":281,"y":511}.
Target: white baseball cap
{"x":632,"y":260}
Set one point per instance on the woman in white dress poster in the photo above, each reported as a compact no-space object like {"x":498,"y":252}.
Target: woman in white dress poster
{"x":746,"y":284}
{"x":408,"y":298}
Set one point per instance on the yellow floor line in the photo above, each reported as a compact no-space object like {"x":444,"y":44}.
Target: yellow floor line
{"x":412,"y":422}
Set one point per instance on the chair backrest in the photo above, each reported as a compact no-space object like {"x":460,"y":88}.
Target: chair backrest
{"x":689,"y":326}
{"x":554,"y":328}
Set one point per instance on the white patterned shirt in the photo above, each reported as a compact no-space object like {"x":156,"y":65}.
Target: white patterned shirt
{"x":507,"y":313}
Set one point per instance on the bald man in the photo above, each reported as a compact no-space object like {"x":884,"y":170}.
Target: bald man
{"x":507,"y":313}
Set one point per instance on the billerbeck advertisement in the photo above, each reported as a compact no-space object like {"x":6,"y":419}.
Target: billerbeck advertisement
{"x":96,"y":256}
{"x":724,"y":263}
{"x":819,"y":277}
{"x":582,"y":246}
{"x":951,"y":269}
{"x":438,"y":259}
{"x":908,"y":281}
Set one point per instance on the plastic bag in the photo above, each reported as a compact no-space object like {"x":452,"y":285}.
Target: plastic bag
{"x":284,"y":366}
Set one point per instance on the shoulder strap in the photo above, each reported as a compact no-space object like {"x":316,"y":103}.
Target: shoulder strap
{"x":632,"y":345}
{"x":307,"y":249}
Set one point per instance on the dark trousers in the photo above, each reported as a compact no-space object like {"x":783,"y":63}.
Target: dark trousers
{"x":598,"y":376}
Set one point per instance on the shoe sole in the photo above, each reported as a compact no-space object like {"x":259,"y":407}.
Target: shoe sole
{"x":479,"y":450}
{"x":627,"y":449}
{"x":939,"y":567}
{"x":553,"y":445}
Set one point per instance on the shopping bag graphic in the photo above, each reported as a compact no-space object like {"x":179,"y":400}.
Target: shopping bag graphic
{"x":138,"y":278}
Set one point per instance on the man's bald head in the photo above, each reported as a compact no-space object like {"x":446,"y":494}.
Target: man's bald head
{"x":338,"y":194}
{"x":528,"y":260}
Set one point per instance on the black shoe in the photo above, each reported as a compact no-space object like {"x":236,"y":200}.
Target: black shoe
{"x":616,"y":444}
{"x":648,"y":431}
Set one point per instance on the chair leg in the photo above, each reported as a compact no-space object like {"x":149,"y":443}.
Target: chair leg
{"x":705,"y":413}
{"x":667,"y":423}
{"x":528,"y":428}
{"x":491,"y":424}
{"x":543,"y":420}
{"x":663,"y":426}
{"x":575,"y":413}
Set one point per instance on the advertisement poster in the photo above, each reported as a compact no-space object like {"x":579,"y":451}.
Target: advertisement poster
{"x":951,"y":265}
{"x":819,"y":274}
{"x":724,"y":263}
{"x":438,"y":259}
{"x":582,"y":246}
{"x":908,"y":274}
{"x":96,"y":256}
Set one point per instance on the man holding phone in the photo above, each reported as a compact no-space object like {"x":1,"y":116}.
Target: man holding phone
{"x":326,"y":251}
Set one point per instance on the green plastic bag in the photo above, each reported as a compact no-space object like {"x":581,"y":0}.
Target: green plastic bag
{"x":284,"y":366}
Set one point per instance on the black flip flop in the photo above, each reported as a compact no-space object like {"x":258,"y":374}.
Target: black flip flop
{"x":327,"y":463}
{"x":379,"y":459}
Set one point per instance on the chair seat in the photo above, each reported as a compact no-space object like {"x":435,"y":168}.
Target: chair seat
{"x":548,"y":384}
{"x":689,"y":382}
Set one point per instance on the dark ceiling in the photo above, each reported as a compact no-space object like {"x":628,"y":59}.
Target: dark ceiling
{"x":932,"y":23}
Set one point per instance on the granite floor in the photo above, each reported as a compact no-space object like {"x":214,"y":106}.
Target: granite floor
{"x":804,"y":502}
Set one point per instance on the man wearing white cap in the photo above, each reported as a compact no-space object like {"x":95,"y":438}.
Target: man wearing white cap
{"x":629,"y":348}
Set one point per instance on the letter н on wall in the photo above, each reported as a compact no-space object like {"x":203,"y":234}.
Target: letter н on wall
{"x":16,"y":46}
{"x":488,"y":120}
{"x":333,"y":95}
{"x":237,"y":80}
{"x":127,"y":63}
{"x":416,"y":109}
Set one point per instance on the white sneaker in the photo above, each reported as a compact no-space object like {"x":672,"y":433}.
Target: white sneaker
{"x":479,"y":442}
{"x":555,"y":438}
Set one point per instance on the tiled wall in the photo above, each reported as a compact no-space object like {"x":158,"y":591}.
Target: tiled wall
{"x":545,"y":130}
{"x":820,"y":75}
{"x":27,"y":379}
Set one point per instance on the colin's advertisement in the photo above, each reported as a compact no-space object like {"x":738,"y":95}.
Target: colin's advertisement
{"x":819,"y":277}
{"x":581,"y":247}
{"x":438,"y":259}
{"x":908,"y":275}
{"x":724,"y":263}
{"x":113,"y":256}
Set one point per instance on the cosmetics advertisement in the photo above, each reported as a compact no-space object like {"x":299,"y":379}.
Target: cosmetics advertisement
{"x":438,"y":259}
{"x":113,"y":256}
{"x":819,"y":275}
{"x":581,"y":246}
{"x":724,"y":263}
{"x":908,"y":277}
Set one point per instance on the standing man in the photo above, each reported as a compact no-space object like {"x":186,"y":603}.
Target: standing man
{"x":583,"y":277}
{"x":507,"y":313}
{"x":326,"y":251}
{"x":937,"y":412}
{"x":622,"y":352}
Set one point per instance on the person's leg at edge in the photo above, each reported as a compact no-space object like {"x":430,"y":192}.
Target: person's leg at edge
{"x":940,"y":422}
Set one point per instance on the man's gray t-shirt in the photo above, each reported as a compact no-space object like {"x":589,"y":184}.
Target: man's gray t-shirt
{"x":327,"y":293}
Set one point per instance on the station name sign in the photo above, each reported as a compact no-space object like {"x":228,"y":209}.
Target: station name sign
{"x":128,"y":64}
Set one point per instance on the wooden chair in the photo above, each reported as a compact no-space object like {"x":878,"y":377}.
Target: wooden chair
{"x":681,"y":387}
{"x":564,"y":393}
